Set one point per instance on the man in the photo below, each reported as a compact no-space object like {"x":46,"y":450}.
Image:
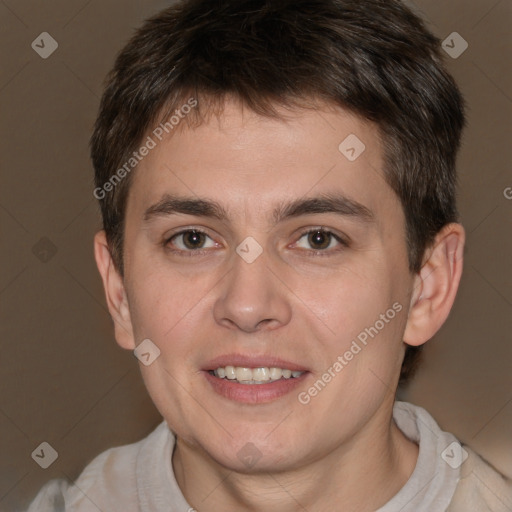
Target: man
{"x":277,"y":186}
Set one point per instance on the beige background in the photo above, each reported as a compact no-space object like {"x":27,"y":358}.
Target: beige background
{"x":65,"y":381}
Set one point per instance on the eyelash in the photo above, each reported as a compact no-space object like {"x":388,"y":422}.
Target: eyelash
{"x":324,"y":252}
{"x":199,"y":252}
{"x":181,"y":252}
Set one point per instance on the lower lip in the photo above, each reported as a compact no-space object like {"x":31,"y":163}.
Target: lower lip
{"x":254,"y":393}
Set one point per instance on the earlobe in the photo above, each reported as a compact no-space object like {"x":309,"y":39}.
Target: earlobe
{"x":114,"y":292}
{"x":436,"y":285}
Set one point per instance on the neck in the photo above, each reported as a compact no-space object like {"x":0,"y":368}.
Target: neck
{"x":362,"y":474}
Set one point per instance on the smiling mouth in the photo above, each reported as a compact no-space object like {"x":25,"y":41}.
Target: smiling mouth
{"x":261,"y":375}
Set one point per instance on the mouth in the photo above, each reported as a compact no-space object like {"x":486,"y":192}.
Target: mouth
{"x":261,"y":375}
{"x":253,"y":380}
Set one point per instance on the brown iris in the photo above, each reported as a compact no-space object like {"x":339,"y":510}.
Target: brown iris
{"x":319,"y":239}
{"x":193,"y":239}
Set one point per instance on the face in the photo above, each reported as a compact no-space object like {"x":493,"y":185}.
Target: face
{"x":262,"y":244}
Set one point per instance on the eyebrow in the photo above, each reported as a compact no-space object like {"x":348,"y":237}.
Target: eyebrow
{"x":325,"y":203}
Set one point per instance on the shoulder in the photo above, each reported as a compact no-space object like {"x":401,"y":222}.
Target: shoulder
{"x":110,"y":480}
{"x":474,"y":483}
{"x":481,"y":487}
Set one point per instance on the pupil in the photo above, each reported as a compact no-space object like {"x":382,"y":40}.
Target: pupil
{"x":319,"y":238}
{"x":193,"y":239}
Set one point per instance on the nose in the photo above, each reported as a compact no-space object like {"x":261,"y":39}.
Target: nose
{"x":252,"y":297}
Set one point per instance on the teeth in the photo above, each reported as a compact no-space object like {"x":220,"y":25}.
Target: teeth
{"x":255,"y":375}
{"x":230,"y":372}
{"x":243,"y":373}
{"x":275,"y":373}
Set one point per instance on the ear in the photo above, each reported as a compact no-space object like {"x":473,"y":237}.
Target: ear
{"x":115,"y":292}
{"x":435,"y":286}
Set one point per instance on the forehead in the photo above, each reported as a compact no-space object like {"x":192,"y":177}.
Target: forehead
{"x":251,"y":165}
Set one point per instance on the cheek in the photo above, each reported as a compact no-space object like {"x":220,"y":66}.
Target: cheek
{"x":163,"y":300}
{"x":169,"y":310}
{"x":346,"y":298}
{"x":364,"y":311}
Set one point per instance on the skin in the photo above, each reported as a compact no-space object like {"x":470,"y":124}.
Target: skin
{"x":291,"y":302}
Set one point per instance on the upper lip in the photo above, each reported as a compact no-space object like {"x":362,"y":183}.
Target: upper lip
{"x":251,"y":361}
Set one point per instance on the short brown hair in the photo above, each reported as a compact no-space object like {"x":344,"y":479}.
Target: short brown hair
{"x":374,"y":58}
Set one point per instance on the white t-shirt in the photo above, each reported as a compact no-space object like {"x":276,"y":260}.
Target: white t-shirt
{"x":139,"y":477}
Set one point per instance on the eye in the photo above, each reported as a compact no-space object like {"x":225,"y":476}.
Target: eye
{"x":319,"y":239}
{"x":190,"y":240}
